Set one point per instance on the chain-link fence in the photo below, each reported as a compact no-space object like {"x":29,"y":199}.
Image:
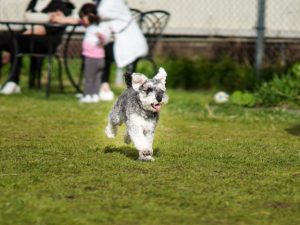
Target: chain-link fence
{"x":230,"y":27}
{"x":227,"y":18}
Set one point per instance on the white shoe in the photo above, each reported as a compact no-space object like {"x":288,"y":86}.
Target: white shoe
{"x":95,"y":98}
{"x":78,"y":95}
{"x":90,"y":99}
{"x":10,"y":88}
{"x":106,"y":95}
{"x":86,"y":99}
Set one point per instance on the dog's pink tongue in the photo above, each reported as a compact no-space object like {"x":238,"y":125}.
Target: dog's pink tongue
{"x":157,"y":107}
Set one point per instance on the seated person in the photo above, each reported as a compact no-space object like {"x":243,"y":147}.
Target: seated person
{"x":41,"y":42}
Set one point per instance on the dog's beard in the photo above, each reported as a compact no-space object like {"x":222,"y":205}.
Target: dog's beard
{"x":150,"y":103}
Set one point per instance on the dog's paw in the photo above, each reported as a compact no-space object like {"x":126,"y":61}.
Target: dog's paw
{"x":147,"y":158}
{"x":146,"y":155}
{"x":109,"y":132}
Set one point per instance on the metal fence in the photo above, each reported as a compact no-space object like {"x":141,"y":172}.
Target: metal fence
{"x":275,"y":40}
{"x":205,"y":17}
{"x":227,"y":17}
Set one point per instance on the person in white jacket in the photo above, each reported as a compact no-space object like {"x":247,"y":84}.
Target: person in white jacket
{"x":128,"y":43}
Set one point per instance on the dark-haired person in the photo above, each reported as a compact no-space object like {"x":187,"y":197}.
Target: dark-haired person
{"x":128,"y":43}
{"x":93,"y":51}
{"x":41,"y":42}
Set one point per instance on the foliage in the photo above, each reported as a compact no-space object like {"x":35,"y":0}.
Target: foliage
{"x":203,"y":74}
{"x":284,"y":88}
{"x":227,"y":74}
{"x":243,"y":98}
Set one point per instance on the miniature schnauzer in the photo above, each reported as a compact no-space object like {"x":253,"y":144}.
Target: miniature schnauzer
{"x":139,"y":107}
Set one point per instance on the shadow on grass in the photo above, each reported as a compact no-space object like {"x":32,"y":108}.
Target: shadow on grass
{"x":294,"y":130}
{"x":129,"y":152}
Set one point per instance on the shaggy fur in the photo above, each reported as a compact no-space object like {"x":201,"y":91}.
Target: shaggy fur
{"x":138,"y":107}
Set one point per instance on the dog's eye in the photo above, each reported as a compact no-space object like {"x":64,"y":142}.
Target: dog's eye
{"x":148,"y":90}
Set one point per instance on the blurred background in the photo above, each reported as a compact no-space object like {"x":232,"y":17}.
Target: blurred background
{"x":215,"y":39}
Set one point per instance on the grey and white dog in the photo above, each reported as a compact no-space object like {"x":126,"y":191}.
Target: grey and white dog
{"x":139,"y":106}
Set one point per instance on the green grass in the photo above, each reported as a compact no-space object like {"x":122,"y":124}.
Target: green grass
{"x":214,"y":164}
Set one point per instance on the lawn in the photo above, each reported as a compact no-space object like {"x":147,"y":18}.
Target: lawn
{"x":215,"y":164}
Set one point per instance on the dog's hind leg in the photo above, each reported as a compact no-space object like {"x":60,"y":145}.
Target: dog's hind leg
{"x":127,"y":138}
{"x":111,"y":130}
{"x":114,"y":121}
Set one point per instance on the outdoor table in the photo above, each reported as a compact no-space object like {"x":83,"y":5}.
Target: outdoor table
{"x":49,"y":54}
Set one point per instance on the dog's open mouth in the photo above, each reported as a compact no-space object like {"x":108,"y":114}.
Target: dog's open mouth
{"x":156,"y":106}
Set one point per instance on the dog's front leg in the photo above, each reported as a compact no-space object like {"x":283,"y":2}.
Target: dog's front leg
{"x":142,"y":142}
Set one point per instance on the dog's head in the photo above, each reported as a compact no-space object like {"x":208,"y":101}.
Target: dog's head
{"x":151,"y":92}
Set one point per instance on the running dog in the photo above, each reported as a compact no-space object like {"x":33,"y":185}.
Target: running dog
{"x":138,"y":107}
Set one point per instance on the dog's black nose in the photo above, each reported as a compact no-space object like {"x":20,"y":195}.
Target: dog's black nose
{"x":159,"y":97}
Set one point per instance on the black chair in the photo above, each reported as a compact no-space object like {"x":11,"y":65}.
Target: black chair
{"x":31,"y":47}
{"x":36,"y":66}
{"x":74,"y":80}
{"x":0,"y":65}
{"x":152,"y":24}
{"x":136,"y":14}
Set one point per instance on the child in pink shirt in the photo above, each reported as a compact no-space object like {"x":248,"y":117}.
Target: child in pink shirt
{"x":93,"y":52}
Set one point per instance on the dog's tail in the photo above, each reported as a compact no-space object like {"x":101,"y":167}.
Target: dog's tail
{"x":128,"y":79}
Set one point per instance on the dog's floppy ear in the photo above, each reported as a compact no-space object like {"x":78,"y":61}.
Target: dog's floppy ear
{"x":161,"y":75}
{"x":138,"y":80}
